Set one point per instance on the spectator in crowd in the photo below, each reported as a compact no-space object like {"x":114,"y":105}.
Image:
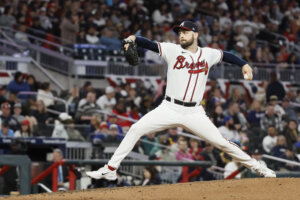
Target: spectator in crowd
{"x":270,"y":140}
{"x":73,"y":134}
{"x":45,"y":94}
{"x":41,"y":116}
{"x":31,"y":81}
{"x":261,"y":93}
{"x":269,"y":119}
{"x":218,"y":117}
{"x":236,"y":96}
{"x":87,"y":87}
{"x":113,"y":135}
{"x":18,"y":85}
{"x":94,"y":127}
{"x":195,"y":150}
{"x":291,"y":133}
{"x":36,"y":30}
{"x":45,"y":20}
{"x":109,"y":40}
{"x":120,"y":110}
{"x":62,"y":175}
{"x":275,"y":88}
{"x":40,"y":113}
{"x":59,"y":129}
{"x":165,"y":153}
{"x":290,"y":113}
{"x":73,"y":99}
{"x":113,"y":119}
{"x":183,"y":154}
{"x":172,"y":135}
{"x":133,"y":113}
{"x":238,"y":118}
{"x":17,"y":112}
{"x":148,"y":143}
{"x":277,"y":108}
{"x":255,"y":114}
{"x":21,"y":34}
{"x":87,"y":108}
{"x":92,"y":35}
{"x":69,"y":27}
{"x":7,"y":116}
{"x":100,"y":134}
{"x":228,"y":131}
{"x":25,"y":130}
{"x":5,"y":130}
{"x":7,"y":19}
{"x":162,"y":14}
{"x":104,"y":129}
{"x":280,"y":147}
{"x":151,"y":176}
{"x":107,"y":101}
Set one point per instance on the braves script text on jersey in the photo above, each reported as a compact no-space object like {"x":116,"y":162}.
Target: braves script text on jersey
{"x":186,"y":80}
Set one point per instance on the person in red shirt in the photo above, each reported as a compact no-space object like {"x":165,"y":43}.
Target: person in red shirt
{"x":195,"y":150}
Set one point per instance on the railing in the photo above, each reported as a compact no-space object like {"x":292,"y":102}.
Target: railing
{"x":49,"y":97}
{"x":281,"y":160}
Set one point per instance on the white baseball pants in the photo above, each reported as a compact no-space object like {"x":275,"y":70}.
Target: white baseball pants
{"x":193,"y":119}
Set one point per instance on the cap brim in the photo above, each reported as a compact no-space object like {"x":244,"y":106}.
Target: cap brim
{"x":176,"y":28}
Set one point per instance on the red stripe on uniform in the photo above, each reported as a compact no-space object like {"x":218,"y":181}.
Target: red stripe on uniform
{"x":194,"y":87}
{"x":160,"y":53}
{"x":187,"y":87}
{"x":197,"y":77}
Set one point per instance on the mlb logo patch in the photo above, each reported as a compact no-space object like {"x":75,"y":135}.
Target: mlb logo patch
{"x":182,"y":24}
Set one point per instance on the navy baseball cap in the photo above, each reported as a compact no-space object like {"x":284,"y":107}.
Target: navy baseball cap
{"x":187,"y":25}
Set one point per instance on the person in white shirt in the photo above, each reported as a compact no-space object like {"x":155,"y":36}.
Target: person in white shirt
{"x":107,"y":101}
{"x":59,"y":129}
{"x":228,"y":130}
{"x":277,"y":108}
{"x":45,"y":94}
{"x":270,"y":140}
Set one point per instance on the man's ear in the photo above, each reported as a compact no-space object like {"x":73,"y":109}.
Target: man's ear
{"x":196,"y":35}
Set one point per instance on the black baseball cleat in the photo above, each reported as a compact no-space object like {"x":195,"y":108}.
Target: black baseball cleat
{"x":103,"y":172}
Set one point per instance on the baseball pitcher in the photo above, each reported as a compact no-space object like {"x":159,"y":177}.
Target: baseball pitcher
{"x":188,"y":68}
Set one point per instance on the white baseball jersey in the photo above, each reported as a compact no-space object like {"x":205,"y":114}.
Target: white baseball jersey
{"x":187,"y":72}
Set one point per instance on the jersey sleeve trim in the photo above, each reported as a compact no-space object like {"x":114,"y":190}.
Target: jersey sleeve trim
{"x":159,"y":47}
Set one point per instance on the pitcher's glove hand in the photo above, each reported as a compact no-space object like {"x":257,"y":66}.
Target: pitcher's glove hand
{"x":130,"y":52}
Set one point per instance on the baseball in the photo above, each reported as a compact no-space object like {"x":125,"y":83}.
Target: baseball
{"x":246,"y":76}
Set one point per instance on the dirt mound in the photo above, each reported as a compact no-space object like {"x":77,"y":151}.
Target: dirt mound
{"x":258,"y":188}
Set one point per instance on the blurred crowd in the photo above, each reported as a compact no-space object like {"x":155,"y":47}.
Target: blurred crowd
{"x":268,"y":123}
{"x":259,"y":31}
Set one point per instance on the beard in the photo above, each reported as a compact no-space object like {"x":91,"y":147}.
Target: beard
{"x":188,"y":43}
{"x":231,"y":127}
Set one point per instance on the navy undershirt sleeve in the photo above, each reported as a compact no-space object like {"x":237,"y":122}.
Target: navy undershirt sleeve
{"x":147,"y":44}
{"x":230,"y":58}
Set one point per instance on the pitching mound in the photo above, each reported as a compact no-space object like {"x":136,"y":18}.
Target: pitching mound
{"x":259,"y":188}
